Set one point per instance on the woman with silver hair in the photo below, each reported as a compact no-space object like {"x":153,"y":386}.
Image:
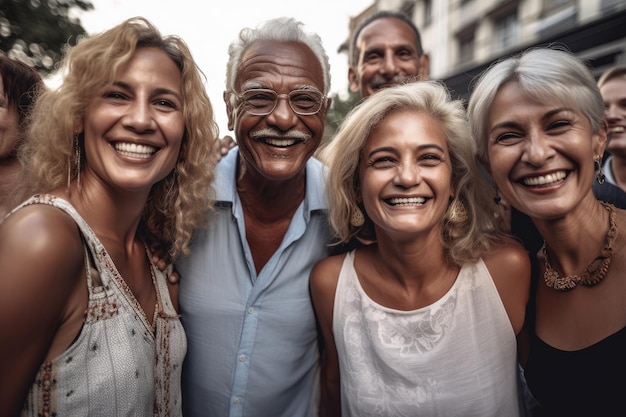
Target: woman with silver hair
{"x":538,"y":122}
{"x":422,"y":319}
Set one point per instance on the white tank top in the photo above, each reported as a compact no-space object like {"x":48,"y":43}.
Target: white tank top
{"x":456,"y":357}
{"x":119,"y":365}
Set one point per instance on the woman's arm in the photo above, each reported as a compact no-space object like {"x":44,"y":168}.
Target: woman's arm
{"x":41,"y":263}
{"x":509,"y":267}
{"x":323,"y":285}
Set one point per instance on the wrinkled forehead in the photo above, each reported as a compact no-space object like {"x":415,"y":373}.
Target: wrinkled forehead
{"x":275,"y":63}
{"x":387,"y":30}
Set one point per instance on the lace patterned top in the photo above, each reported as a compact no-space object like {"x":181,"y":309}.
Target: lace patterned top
{"x":119,"y":365}
{"x":456,"y":357}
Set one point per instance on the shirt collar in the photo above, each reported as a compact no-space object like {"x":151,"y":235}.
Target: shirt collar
{"x":226,"y":188}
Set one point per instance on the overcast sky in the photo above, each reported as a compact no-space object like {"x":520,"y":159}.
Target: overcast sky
{"x":209,"y":27}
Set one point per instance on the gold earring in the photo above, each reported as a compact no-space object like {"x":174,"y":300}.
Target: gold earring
{"x":357,"y":219}
{"x":76,"y":153}
{"x":457,"y":212}
{"x":497,"y":198}
{"x":597,"y":162}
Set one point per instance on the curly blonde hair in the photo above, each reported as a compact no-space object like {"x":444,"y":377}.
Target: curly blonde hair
{"x":465,"y":240}
{"x":178,"y":204}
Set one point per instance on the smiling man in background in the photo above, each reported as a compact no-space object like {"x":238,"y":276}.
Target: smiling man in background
{"x":385,"y":50}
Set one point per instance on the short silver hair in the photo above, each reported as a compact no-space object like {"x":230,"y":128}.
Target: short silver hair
{"x":549,"y":74}
{"x":283,"y":29}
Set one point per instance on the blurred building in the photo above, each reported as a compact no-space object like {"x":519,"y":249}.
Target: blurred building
{"x":463,"y":37}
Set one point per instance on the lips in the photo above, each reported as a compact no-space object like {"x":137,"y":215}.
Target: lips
{"x":406,"y":201}
{"x":135,"y":150}
{"x":545,"y":180}
{"x":281,"y":143}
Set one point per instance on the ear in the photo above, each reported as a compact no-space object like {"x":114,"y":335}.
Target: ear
{"x":601,"y":139}
{"x":229,"y":110}
{"x":424,"y":68}
{"x":353,"y":79}
{"x":78,"y":127}
{"x":326,"y":106}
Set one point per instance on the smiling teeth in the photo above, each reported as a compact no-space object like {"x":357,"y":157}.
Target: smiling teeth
{"x":135,"y":150}
{"x":616,"y":129}
{"x":280,"y":142}
{"x":407,"y":201}
{"x":545,"y":179}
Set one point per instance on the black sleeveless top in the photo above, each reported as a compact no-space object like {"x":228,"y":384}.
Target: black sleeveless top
{"x":586,"y":382}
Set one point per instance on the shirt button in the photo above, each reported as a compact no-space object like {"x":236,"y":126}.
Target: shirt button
{"x":250,"y":310}
{"x":236,"y":400}
{"x":242,"y":358}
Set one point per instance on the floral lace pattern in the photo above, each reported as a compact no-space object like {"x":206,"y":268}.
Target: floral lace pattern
{"x":455,"y":357}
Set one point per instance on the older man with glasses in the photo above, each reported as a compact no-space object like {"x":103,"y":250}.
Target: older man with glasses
{"x":252,"y":339}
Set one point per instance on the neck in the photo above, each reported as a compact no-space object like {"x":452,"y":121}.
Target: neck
{"x":269,"y":200}
{"x":576,"y":240}
{"x":417,"y":275}
{"x":422,"y":260}
{"x":112,"y":217}
{"x":618,"y":169}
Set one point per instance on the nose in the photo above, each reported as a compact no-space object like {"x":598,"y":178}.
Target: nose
{"x":389,"y":64}
{"x":612,"y":112}
{"x":408,"y":175}
{"x":537,"y":149}
{"x":139,"y":116}
{"x":282,"y":117}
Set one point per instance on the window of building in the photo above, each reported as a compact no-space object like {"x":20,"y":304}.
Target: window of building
{"x":552,"y":5}
{"x":428,"y":12}
{"x":466,"y":49}
{"x":408,"y":8}
{"x":506,"y":30}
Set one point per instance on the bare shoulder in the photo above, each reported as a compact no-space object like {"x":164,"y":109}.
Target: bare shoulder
{"x":507,"y":259}
{"x":326,"y":271}
{"x":509,"y":267}
{"x":41,"y":237}
{"x":323,"y":281}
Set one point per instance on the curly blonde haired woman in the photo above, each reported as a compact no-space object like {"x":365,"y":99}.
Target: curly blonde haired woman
{"x":120,"y":157}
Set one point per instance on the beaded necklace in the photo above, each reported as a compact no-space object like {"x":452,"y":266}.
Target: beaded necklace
{"x":594,"y":272}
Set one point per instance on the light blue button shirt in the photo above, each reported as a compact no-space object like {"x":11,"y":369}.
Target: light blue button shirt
{"x":252,"y":340}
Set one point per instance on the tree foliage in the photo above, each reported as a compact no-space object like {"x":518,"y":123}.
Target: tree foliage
{"x":339,"y":108}
{"x":37,"y":31}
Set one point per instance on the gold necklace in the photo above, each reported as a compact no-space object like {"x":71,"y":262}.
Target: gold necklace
{"x":594,"y":272}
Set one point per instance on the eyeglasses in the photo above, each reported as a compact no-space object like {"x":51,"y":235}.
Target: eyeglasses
{"x":262,"y":101}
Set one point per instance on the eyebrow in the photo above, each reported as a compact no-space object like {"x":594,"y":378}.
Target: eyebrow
{"x":392,"y":149}
{"x":159,"y":90}
{"x":395,"y":47}
{"x":256,"y":85}
{"x":547,"y":115}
